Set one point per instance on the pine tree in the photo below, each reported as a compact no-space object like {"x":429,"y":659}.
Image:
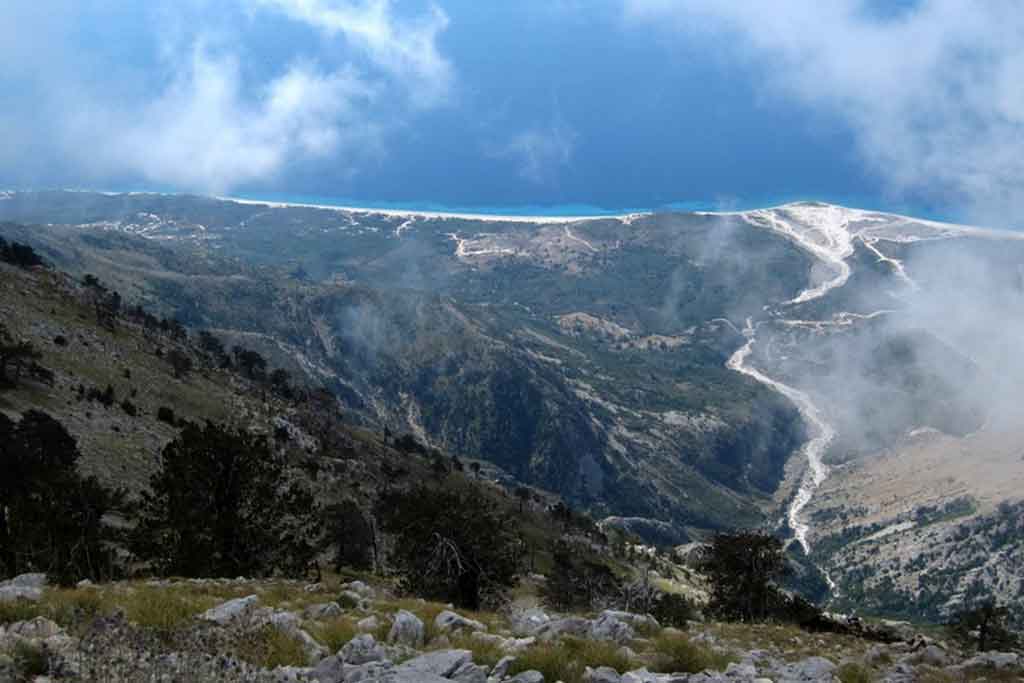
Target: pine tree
{"x":51,"y":517}
{"x":222,"y":505}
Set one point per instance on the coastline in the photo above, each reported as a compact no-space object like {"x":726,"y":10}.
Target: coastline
{"x":435,"y":215}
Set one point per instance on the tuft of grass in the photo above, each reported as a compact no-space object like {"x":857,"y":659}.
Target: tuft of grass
{"x":271,"y":647}
{"x":675,"y":653}
{"x":567,"y":659}
{"x":853,"y":673}
{"x":19,"y":610}
{"x":29,"y":661}
{"x":333,"y":633}
{"x":164,"y":608}
{"x":484,"y":652}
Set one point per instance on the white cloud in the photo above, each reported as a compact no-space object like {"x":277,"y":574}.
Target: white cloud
{"x":407,"y":49}
{"x":540,"y":152}
{"x":202,"y":133}
{"x":932,"y":92}
{"x":191,"y":115}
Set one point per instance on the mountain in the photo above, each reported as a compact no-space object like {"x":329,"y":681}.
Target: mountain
{"x":847,"y":377}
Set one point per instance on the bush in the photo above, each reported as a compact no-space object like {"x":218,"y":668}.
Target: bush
{"x":129,"y":408}
{"x":30,"y":660}
{"x":671,"y":609}
{"x":165,"y":414}
{"x":675,"y":653}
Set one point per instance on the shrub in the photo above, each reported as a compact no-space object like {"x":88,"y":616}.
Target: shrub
{"x":675,"y":653}
{"x":129,"y":408}
{"x":60,"y":340}
{"x":165,"y":414}
{"x":672,"y":609}
{"x":30,"y":660}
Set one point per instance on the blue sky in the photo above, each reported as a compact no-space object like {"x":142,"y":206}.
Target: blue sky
{"x":613,"y":103}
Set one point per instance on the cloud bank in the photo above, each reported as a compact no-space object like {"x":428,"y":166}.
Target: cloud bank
{"x":202,"y":117}
{"x":931,"y":89}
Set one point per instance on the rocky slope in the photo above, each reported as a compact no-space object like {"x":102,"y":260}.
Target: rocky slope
{"x":347,"y":631}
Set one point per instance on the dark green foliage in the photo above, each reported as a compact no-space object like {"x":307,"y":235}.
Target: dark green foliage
{"x":280,"y":382}
{"x":30,"y":661}
{"x":742,"y":567}
{"x":21,"y":255}
{"x":671,"y":609}
{"x":50,"y":516}
{"x":251,"y":363}
{"x":180,"y":363}
{"x":129,"y":408}
{"x":451,"y":544}
{"x":353,"y":536}
{"x":984,"y":627}
{"x":223,"y":504}
{"x":577,"y":582}
{"x":166,"y":414}
{"x":15,"y":357}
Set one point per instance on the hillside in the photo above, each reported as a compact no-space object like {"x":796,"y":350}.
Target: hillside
{"x":841,"y":376}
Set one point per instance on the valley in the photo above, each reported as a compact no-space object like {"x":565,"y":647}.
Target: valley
{"x":834,"y":374}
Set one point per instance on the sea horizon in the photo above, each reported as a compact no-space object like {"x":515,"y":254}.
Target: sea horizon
{"x":578,"y":209}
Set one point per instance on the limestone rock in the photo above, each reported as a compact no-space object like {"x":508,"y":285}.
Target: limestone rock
{"x":448,"y":621}
{"x":407,"y":629}
{"x":362,"y":649}
{"x":231,"y":610}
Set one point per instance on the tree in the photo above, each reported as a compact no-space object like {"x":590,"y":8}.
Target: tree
{"x":251,"y":363}
{"x":21,"y":255}
{"x":523,"y":494}
{"x":222,"y":504}
{"x":180,"y":363}
{"x":451,"y":544}
{"x":51,"y":517}
{"x":280,"y":382}
{"x":741,"y":568}
{"x":353,"y":535}
{"x":212,"y":346}
{"x":984,"y":627}
{"x":577,"y":582}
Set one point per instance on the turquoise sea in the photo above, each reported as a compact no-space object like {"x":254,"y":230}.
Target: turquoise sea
{"x":582,"y":209}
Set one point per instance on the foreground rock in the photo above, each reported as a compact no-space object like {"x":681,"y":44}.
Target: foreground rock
{"x":23,"y":587}
{"x":407,"y":629}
